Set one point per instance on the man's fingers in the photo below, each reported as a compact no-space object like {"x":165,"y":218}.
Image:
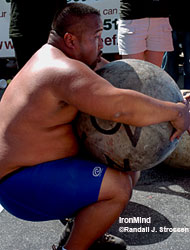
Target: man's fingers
{"x":186,"y":93}
{"x":176,"y":135}
{"x":186,"y":101}
{"x":187,"y":97}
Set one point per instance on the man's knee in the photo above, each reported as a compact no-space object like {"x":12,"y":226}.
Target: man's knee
{"x":135,"y":177}
{"x":116,"y":185}
{"x":125,"y":187}
{"x":129,"y":180}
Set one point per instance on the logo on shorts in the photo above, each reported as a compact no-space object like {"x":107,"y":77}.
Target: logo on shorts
{"x":97,"y":171}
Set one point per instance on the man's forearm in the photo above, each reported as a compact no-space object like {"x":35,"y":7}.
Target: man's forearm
{"x":141,"y":110}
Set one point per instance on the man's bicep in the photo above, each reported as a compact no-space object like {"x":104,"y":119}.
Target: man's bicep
{"x":88,"y":92}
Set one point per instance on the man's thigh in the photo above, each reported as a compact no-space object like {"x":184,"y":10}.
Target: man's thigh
{"x":52,"y":190}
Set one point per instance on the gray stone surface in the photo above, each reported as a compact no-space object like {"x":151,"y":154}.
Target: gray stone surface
{"x":116,"y":144}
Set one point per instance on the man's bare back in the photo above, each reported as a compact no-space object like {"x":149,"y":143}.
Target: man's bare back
{"x":38,"y":128}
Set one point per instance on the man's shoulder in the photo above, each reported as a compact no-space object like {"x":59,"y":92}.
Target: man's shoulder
{"x":50,"y":65}
{"x":52,"y":59}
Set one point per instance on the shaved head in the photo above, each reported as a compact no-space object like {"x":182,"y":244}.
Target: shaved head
{"x":72,"y":18}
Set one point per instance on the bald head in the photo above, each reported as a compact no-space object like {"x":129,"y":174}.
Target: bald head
{"x":72,"y":19}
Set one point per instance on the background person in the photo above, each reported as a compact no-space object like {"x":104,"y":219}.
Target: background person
{"x":30,"y":23}
{"x":181,"y":36}
{"x":144,"y":30}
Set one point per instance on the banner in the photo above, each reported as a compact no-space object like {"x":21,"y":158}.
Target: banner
{"x":109,"y":10}
{"x":6,"y":46}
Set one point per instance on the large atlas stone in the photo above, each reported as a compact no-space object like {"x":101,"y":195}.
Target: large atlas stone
{"x":123,"y":146}
{"x":180,"y":157}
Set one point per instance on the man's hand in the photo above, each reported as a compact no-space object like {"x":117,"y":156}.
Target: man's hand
{"x":182,"y":121}
{"x":186,"y":101}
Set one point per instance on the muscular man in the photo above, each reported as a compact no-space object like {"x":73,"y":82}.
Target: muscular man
{"x":42,"y":175}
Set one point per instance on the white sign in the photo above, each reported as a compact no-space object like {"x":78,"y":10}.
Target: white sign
{"x":6,"y":46}
{"x":109,"y":10}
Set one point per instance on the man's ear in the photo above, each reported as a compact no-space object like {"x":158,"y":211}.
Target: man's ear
{"x":70,"y":40}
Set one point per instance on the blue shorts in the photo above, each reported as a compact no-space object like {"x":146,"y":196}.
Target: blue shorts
{"x":52,"y":190}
